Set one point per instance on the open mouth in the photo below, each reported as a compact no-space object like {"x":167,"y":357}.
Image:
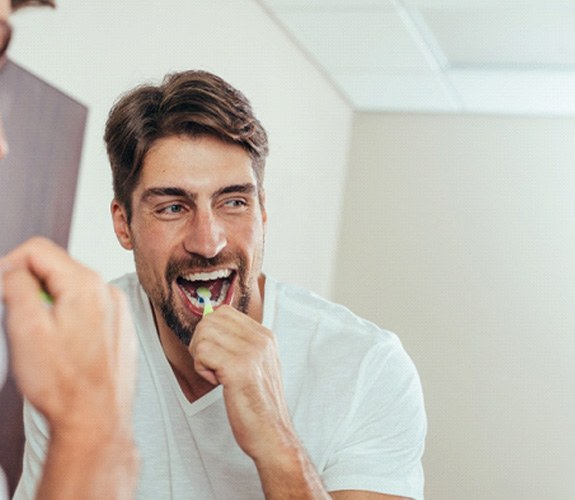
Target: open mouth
{"x":218,"y":282}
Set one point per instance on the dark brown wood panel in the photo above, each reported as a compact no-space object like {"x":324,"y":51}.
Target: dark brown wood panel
{"x":45,"y":131}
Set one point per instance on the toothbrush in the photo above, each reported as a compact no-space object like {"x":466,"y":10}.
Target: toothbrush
{"x":204,"y":296}
{"x":46,"y":298}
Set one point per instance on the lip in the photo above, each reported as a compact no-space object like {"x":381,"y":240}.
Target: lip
{"x":199,"y":311}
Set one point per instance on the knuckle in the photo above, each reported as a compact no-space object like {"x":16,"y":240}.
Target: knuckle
{"x":38,"y":242}
{"x":267,"y":340}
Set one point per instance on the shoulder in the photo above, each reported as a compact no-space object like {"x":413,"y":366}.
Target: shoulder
{"x":358,"y":371}
{"x":138,"y":301}
{"x":128,"y":283}
{"x":292,"y":302}
{"x":326,"y":327}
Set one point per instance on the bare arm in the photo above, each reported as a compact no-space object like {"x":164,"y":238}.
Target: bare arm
{"x":300,"y":480}
{"x":77,"y":467}
{"x":75,"y":362}
{"x":231,"y":349}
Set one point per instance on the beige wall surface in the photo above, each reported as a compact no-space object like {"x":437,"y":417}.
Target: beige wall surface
{"x":459,"y":235}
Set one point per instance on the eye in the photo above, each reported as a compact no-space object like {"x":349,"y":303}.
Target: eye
{"x":235,"y":203}
{"x":174,"y":208}
{"x":171,"y":210}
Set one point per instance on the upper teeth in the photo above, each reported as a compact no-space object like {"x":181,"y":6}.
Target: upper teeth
{"x":214,"y":275}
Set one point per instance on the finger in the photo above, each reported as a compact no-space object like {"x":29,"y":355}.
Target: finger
{"x":207,"y":374}
{"x":227,"y":332}
{"x":48,"y":262}
{"x":21,"y":290}
{"x":202,"y":353}
{"x":24,"y":305}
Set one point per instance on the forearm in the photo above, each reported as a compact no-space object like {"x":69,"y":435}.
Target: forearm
{"x":290,"y":474}
{"x":83,"y":466}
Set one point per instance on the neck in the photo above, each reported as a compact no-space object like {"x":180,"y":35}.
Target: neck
{"x":192,"y":385}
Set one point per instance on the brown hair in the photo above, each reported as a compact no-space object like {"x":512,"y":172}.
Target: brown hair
{"x":18,"y":4}
{"x":192,"y":103}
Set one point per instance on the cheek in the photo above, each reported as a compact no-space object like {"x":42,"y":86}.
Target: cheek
{"x":150,"y":258}
{"x":154,"y":246}
{"x":248,"y":237}
{"x":152,"y":239}
{"x":251,"y":241}
{"x":150,"y":253}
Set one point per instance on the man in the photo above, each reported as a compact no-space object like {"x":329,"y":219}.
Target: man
{"x":74,"y":360}
{"x":277,"y":393}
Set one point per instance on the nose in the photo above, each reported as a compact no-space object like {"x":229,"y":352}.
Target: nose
{"x":205,"y":234}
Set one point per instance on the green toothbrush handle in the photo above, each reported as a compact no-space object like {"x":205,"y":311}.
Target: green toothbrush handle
{"x":208,"y":307}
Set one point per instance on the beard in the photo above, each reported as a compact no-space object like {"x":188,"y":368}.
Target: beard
{"x":183,"y":324}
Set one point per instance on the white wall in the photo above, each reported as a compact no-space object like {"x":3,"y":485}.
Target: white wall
{"x":459,"y":234}
{"x":95,"y":50}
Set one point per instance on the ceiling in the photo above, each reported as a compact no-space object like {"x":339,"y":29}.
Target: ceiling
{"x":473,"y":56}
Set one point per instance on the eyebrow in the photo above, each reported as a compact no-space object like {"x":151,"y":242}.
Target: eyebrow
{"x":152,"y":192}
{"x":166,"y":191}
{"x":247,"y":188}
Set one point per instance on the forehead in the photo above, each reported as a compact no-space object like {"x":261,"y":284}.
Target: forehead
{"x":195,"y":163}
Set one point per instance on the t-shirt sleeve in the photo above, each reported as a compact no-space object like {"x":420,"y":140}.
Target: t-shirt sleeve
{"x":382,"y":442}
{"x":36,"y":431}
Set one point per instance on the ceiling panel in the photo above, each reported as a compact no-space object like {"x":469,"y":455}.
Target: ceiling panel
{"x":535,"y":36}
{"x":361,"y":41}
{"x":481,"y":56}
{"x":398,"y":92}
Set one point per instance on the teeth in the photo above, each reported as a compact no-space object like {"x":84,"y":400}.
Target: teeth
{"x":214,"y":275}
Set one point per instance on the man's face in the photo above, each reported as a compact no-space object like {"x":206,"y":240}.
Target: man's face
{"x":197,"y":221}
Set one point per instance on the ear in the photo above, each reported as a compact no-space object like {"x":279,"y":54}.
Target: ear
{"x":121,"y":225}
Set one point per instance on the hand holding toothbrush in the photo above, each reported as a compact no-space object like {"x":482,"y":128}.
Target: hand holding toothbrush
{"x":74,"y":360}
{"x":230,"y":348}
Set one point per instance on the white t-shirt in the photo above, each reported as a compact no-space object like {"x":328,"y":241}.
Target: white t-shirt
{"x":353,"y":393}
